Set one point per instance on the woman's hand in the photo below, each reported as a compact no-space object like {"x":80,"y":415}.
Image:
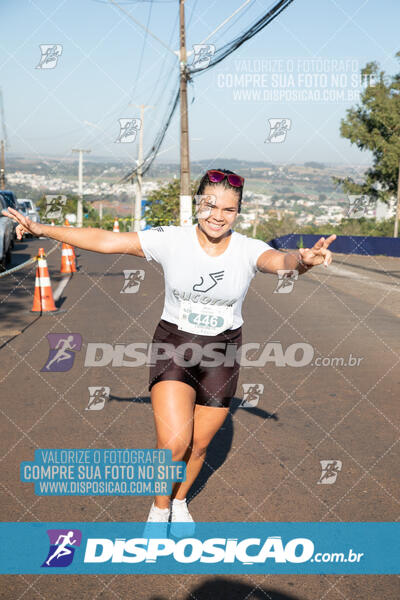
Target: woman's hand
{"x":319,"y":253}
{"x":25,"y":224}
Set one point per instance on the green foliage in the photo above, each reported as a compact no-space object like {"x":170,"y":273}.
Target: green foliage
{"x":89,"y":213}
{"x":374,"y":125}
{"x":273,"y":228}
{"x":163,"y":204}
{"x":357,"y":227}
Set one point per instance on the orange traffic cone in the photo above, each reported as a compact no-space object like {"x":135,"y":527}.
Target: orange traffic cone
{"x":67,"y":224}
{"x":43,"y":300}
{"x":116,"y":226}
{"x":67,"y":259}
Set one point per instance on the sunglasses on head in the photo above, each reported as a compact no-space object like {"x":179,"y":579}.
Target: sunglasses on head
{"x":216,"y":176}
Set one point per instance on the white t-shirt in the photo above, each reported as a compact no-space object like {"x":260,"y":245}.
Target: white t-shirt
{"x":193,"y":275}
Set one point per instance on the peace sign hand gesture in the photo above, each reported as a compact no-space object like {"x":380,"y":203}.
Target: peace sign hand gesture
{"x":319,"y":253}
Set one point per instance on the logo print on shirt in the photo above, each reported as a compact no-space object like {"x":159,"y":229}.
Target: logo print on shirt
{"x":215,"y":277}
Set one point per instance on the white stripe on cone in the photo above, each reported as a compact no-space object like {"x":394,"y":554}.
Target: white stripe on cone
{"x":42,"y":281}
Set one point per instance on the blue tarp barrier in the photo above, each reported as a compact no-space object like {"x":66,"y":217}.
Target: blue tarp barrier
{"x":344,"y":244}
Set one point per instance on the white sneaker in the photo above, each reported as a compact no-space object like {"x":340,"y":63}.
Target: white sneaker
{"x":181,"y":519}
{"x":158,"y":516}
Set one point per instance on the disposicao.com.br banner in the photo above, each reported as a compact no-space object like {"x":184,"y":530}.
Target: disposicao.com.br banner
{"x":209,"y":548}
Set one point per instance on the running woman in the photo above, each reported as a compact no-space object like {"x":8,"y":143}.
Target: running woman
{"x":207,"y":268}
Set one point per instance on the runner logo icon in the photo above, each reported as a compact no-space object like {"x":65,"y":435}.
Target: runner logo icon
{"x":50,"y":54}
{"x":286,"y":279}
{"x":251,"y":394}
{"x":278,"y":130}
{"x":133,"y":279}
{"x":330,"y":470}
{"x":128,"y":129}
{"x":98,"y":396}
{"x":62,"y":351}
{"x":61,"y":551}
{"x":214,"y":277}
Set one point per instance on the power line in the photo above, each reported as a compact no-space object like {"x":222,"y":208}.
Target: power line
{"x":140,"y":25}
{"x":258,"y":26}
{"x":226,"y":21}
{"x":166,"y":77}
{"x":235,"y":21}
{"x":143,"y":47}
{"x":151,"y":155}
{"x":220,"y":55}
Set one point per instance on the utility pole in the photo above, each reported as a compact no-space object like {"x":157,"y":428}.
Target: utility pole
{"x":79,"y":211}
{"x":255,"y":224}
{"x":397,"y":213}
{"x":2,"y":168}
{"x":185,"y":197}
{"x":138,"y":199}
{"x":137,"y":212}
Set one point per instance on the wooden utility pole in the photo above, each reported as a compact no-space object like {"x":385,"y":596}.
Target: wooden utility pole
{"x":79,"y":210}
{"x":2,"y":168}
{"x":397,"y":213}
{"x":185,"y":197}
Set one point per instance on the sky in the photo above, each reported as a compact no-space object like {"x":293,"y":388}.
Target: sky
{"x":304,"y":67}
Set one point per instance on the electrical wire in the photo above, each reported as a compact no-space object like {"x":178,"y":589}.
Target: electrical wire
{"x":142,"y":51}
{"x":230,"y":47}
{"x":220,"y":55}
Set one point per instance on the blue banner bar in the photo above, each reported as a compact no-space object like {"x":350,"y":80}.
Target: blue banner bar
{"x":344,"y":244}
{"x":201,"y":548}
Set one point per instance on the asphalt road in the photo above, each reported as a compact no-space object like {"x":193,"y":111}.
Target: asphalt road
{"x":263,"y":465}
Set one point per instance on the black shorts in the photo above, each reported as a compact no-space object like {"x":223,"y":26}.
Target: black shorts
{"x":213,"y":373}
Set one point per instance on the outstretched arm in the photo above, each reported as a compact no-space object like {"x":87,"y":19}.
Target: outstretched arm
{"x":90,"y":238}
{"x":271,"y":261}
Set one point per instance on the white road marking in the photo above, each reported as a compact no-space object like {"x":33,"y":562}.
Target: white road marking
{"x":61,"y":286}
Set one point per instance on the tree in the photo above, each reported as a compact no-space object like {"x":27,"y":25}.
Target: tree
{"x":273,"y":228}
{"x":163,"y":204}
{"x":374,"y":125}
{"x":69,"y":207}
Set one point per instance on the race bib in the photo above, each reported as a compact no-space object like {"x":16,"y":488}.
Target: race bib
{"x":203,"y":319}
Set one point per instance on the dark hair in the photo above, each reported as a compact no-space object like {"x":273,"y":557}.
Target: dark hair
{"x":204,"y":182}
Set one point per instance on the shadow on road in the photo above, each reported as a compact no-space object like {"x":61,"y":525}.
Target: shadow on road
{"x":234,"y":590}
{"x":221,"y":444}
{"x":139,"y":399}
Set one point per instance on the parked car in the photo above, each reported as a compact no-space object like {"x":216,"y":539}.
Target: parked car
{"x":24,"y":207}
{"x":33,"y":213}
{"x":11,"y":200}
{"x":6,"y":235}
